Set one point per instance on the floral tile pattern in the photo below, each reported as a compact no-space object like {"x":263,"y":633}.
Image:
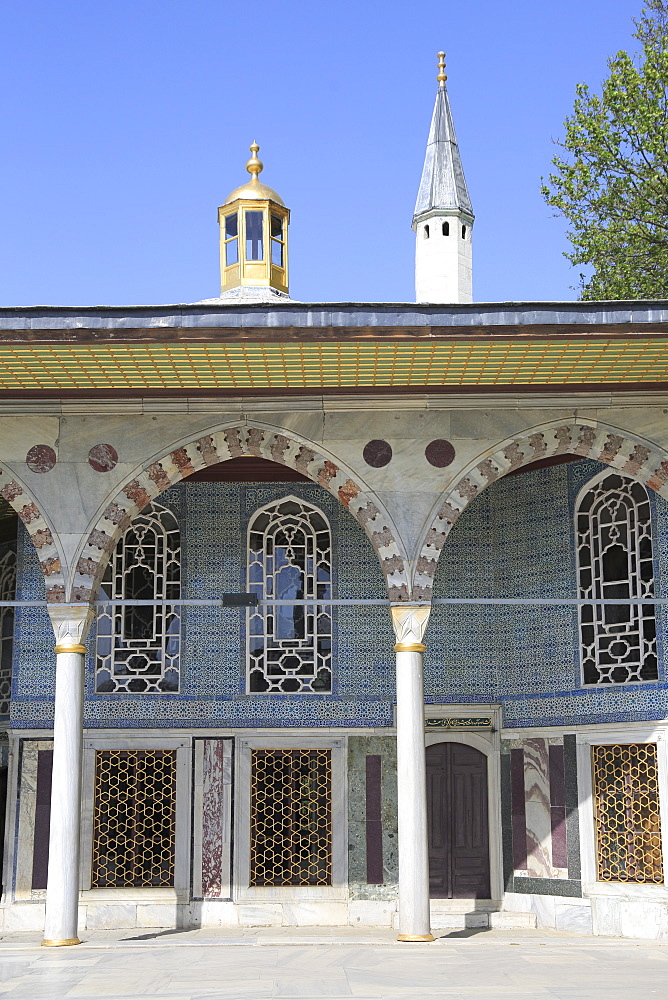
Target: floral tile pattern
{"x":514,"y":540}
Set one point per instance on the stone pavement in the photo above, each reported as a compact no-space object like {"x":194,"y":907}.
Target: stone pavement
{"x":310,"y":963}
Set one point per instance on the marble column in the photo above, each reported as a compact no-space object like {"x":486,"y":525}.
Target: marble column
{"x":410,"y":622}
{"x":70,"y":624}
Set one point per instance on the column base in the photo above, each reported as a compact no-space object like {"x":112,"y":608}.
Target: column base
{"x":415,"y":937}
{"x":59,"y":943}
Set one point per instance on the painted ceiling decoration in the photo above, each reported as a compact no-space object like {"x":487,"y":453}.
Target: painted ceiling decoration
{"x":355,"y":365}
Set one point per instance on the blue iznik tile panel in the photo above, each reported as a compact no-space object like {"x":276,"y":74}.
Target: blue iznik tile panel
{"x":214,"y":521}
{"x":8,"y":593}
{"x":33,"y":674}
{"x":515,"y":540}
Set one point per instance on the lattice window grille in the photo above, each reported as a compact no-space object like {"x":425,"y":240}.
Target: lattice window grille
{"x":291,"y":817}
{"x":7,"y":593}
{"x":134,"y":819}
{"x":626,"y":811}
{"x":289,"y":557}
{"x":138,"y":646}
{"x":614,"y":552}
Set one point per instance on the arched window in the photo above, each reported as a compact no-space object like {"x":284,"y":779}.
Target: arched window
{"x":138,"y":644}
{"x":463,"y":232}
{"x":289,"y":558}
{"x":446,"y":228}
{"x":425,"y":232}
{"x":614,"y":553}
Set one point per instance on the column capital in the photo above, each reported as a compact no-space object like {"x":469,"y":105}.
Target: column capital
{"x":409,"y":622}
{"x":70,"y":624}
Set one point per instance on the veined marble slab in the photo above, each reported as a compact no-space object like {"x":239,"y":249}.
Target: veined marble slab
{"x":537,"y":799}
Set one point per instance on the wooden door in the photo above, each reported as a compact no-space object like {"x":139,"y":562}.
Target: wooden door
{"x":458,"y":826}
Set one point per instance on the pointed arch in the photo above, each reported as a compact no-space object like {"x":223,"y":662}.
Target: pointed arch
{"x":43,"y":537}
{"x":625,"y":452}
{"x":220,"y":446}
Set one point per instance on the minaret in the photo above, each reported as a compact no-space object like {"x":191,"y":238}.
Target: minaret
{"x":254,"y":239}
{"x":443,"y":218}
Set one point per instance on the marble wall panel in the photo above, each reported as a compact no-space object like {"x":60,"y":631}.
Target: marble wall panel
{"x":557,"y":806}
{"x":27,"y":807}
{"x":374,"y":823}
{"x":518,"y":810}
{"x":40,"y":863}
{"x":537,"y":807}
{"x":407,"y":424}
{"x":574,"y":919}
{"x":19,"y":435}
{"x":536,"y":787}
{"x":359,"y":749}
{"x":212,"y":816}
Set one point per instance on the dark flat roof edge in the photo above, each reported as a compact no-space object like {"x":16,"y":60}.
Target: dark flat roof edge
{"x":320,"y":392}
{"x":330,"y":316}
{"x":120,"y":334}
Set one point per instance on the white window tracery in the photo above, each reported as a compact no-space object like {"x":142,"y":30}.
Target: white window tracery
{"x":289,"y":558}
{"x":138,"y":645}
{"x":7,"y":593}
{"x":614,"y":553}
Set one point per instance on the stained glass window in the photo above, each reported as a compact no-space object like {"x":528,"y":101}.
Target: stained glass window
{"x":138,"y":644}
{"x":289,"y":558}
{"x":614,"y":551}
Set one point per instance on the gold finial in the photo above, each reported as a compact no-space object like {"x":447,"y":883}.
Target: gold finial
{"x":441,"y":69}
{"x":254,"y":165}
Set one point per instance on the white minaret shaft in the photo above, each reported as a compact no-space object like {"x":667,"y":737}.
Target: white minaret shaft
{"x":443,"y":218}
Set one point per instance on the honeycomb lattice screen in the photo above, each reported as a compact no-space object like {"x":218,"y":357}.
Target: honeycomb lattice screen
{"x":626,"y":803}
{"x":134,"y":818}
{"x":291,"y":817}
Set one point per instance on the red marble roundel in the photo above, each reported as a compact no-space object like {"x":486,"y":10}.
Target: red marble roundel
{"x":41,"y":458}
{"x":103,"y":458}
{"x":377,"y":454}
{"x":439,"y":453}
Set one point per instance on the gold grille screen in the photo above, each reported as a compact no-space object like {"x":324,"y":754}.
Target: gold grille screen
{"x":628,"y":825}
{"x":291,"y":817}
{"x":134,"y":818}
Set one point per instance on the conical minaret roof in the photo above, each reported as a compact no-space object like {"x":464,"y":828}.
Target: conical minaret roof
{"x":443,"y":185}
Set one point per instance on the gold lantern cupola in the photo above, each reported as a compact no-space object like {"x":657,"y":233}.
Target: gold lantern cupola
{"x":254,"y":238}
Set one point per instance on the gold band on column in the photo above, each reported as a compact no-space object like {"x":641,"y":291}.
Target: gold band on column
{"x":415,"y":937}
{"x":60,"y":943}
{"x":76,"y":648}
{"x":409,"y":647}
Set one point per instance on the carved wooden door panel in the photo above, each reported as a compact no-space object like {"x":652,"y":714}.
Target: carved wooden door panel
{"x":457,"y":818}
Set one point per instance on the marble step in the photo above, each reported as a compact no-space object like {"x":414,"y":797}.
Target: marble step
{"x":461,"y":914}
{"x":463,"y":905}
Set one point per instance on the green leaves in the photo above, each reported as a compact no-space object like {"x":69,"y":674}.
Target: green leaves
{"x":611,"y":183}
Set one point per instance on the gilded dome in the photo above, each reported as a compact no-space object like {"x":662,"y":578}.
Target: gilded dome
{"x":254,"y":189}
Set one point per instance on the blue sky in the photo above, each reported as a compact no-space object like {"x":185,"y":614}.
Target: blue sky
{"x":125,"y":124}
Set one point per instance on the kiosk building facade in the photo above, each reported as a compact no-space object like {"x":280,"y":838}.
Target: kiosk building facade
{"x":359,"y":610}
